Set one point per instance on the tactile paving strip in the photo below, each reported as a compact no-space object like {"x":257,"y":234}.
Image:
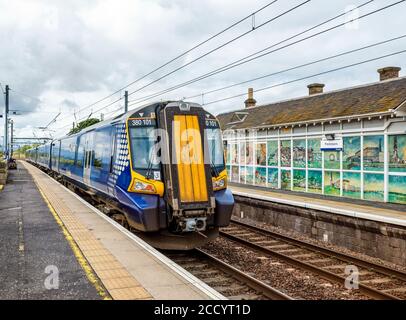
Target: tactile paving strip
{"x":120,"y":284}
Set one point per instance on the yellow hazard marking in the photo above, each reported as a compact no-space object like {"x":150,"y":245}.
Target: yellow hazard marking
{"x":91,"y":276}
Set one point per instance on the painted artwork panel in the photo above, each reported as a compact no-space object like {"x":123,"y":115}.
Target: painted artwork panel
{"x":299,"y":180}
{"x":314,"y":155}
{"x":397,"y":153}
{"x":332,"y":183}
{"x":397,"y":189}
{"x":242,"y":153}
{"x":229,"y":173}
{"x":235,"y":170}
{"x":260,"y":154}
{"x":285,"y":153}
{"x":373,"y":187}
{"x":352,"y":185}
{"x":286,"y":179}
{"x":273,"y":153}
{"x":249,"y":175}
{"x":243,"y":171}
{"x":332,"y":159}
{"x":315,"y":181}
{"x":373,"y":153}
{"x":234,"y":153}
{"x":227,"y":154}
{"x":249,"y":153}
{"x":299,"y":153}
{"x":260,"y":176}
{"x":273,"y":178}
{"x":352,"y":153}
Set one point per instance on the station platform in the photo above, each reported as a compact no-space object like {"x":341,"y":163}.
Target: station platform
{"x":45,"y":227}
{"x":379,"y":212}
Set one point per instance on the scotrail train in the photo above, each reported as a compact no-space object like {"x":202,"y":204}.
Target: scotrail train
{"x":178,"y":202}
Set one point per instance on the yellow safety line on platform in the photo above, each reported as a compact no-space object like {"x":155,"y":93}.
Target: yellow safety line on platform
{"x":77,"y":252}
{"x":100,"y":264}
{"x":1,"y":187}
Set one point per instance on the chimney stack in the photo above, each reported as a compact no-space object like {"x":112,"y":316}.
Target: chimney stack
{"x":250,"y":102}
{"x":315,"y":88}
{"x":388,"y":73}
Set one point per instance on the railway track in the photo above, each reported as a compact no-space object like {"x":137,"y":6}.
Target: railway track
{"x":375,"y":281}
{"x":229,"y":281}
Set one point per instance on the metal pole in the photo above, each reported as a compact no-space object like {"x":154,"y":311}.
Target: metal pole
{"x":125,"y":101}
{"x":6,"y":124}
{"x":11,"y":137}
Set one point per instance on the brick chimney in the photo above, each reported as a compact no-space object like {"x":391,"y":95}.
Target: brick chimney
{"x":250,"y":102}
{"x":315,"y":88}
{"x":388,"y":73}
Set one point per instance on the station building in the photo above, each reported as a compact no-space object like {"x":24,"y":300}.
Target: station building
{"x":345,"y":143}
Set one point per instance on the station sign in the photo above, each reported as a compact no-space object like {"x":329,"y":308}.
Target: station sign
{"x":331,"y":145}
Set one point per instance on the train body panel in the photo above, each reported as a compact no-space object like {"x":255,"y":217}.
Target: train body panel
{"x":178,"y":194}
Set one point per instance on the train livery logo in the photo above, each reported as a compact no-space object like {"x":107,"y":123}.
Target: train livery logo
{"x":121,"y":162}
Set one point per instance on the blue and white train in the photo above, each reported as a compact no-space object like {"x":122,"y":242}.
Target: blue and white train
{"x":179,"y":203}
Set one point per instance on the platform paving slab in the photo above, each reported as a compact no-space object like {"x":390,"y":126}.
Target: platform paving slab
{"x":30,"y":241}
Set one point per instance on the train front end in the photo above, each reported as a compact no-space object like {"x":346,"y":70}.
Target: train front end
{"x":178,"y":178}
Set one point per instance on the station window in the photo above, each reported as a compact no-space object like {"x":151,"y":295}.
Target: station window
{"x":285,"y":153}
{"x":397,"y":189}
{"x":373,"y":186}
{"x":314,"y":155}
{"x":332,"y":159}
{"x":286,"y":177}
{"x":351,"y":185}
{"x":272,"y":150}
{"x":373,"y":153}
{"x":332,"y":183}
{"x":299,"y":180}
{"x":260,"y":176}
{"x":397,"y":153}
{"x":273,"y":178}
{"x":315,"y":181}
{"x":352,"y":153}
{"x":299,"y":153}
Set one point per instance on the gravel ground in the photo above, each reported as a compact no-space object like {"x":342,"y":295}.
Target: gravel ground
{"x":300,"y":236}
{"x":296,"y":283}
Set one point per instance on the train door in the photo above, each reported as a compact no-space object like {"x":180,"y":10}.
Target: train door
{"x":88,"y":157}
{"x":187,"y":174}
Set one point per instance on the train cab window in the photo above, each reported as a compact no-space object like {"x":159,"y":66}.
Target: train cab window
{"x":215,"y":145}
{"x":143,"y":148}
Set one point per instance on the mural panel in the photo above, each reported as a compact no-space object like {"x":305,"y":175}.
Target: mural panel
{"x":227,"y":152}
{"x":352,"y":185}
{"x":273,"y":178}
{"x":249,"y":175}
{"x":373,"y":153}
{"x":234,"y":153}
{"x":299,"y":180}
{"x":314,"y":155}
{"x":373,"y":187}
{"x":285,"y":179}
{"x":273,"y":153}
{"x":299,"y":153}
{"x":229,"y":173}
{"x":235,"y":170}
{"x":249,"y":153}
{"x":243,"y":171}
{"x":352,"y":153}
{"x":332,"y":159}
{"x":285,"y":153}
{"x":260,"y":176}
{"x":397,"y":189}
{"x":261,"y":154}
{"x":242,"y":153}
{"x":315,"y":181}
{"x":332,"y":183}
{"x":397,"y":153}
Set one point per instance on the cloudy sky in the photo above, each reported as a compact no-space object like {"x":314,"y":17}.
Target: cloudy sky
{"x":62,"y":56}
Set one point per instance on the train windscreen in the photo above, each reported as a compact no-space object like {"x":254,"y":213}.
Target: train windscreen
{"x":215,"y":145}
{"x":143,"y":151}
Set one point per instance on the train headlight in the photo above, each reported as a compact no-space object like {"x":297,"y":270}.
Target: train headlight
{"x":140,"y":186}
{"x":219,"y":184}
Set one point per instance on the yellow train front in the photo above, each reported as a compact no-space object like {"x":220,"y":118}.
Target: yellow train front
{"x":174,"y":187}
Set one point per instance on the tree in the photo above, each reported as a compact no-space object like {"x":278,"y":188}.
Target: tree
{"x":83,"y":124}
